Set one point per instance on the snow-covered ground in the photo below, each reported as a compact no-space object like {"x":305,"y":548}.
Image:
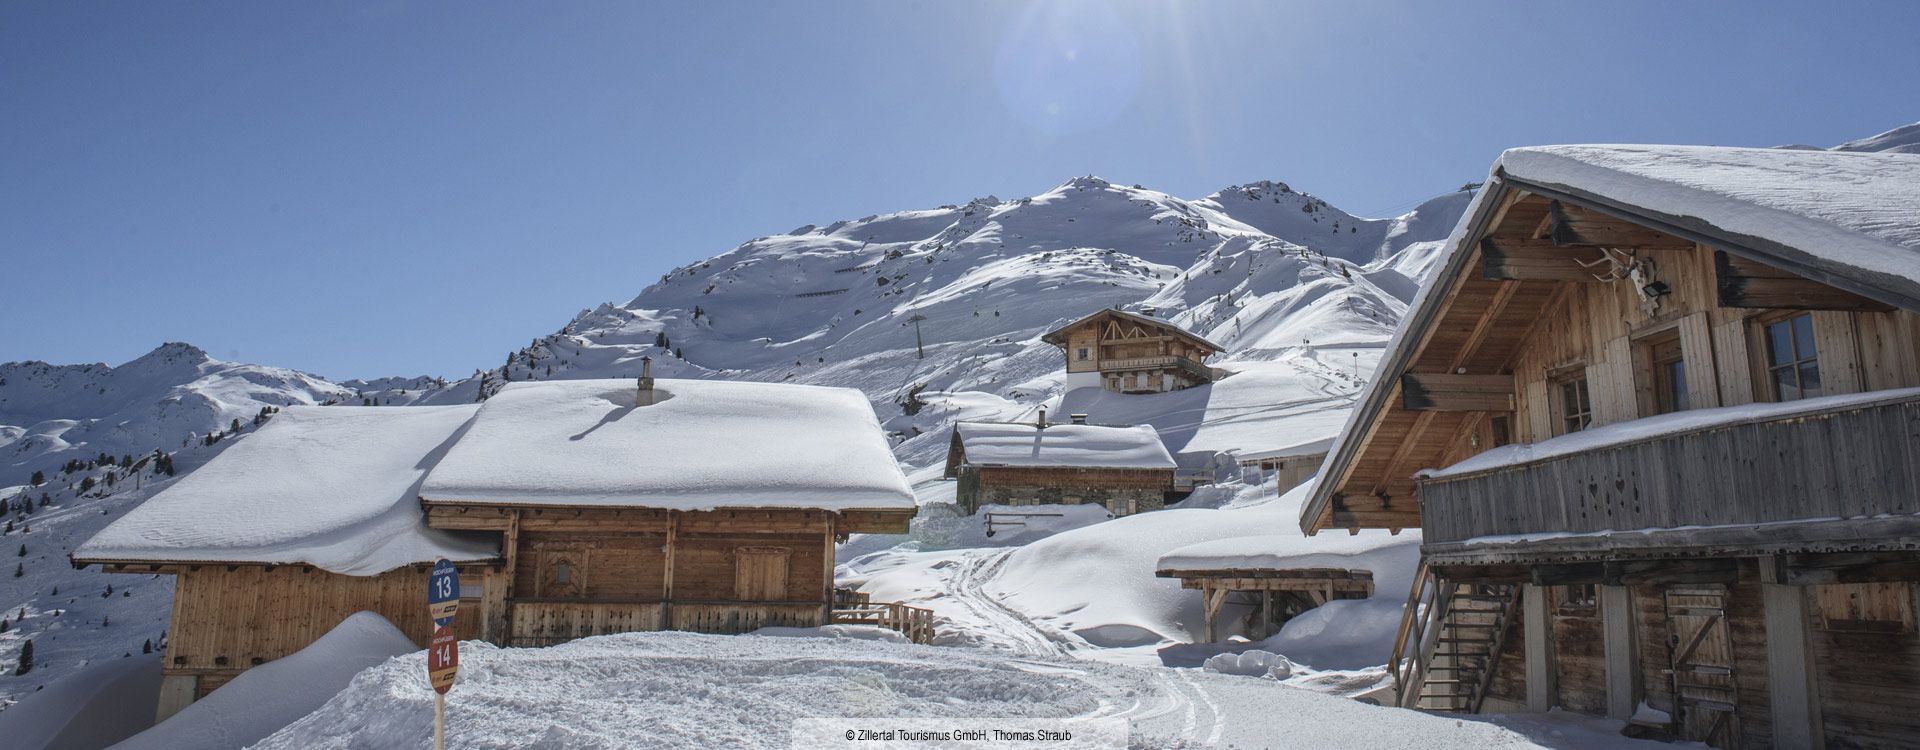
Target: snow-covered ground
{"x":680,"y":690}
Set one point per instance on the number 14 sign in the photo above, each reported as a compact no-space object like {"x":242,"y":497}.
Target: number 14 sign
{"x":443,"y":652}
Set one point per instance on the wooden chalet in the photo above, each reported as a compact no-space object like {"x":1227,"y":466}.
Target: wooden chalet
{"x":287,"y":533}
{"x":1126,"y":469}
{"x":1656,"y":417}
{"x":572,"y":508}
{"x":703,"y":505}
{"x":1128,"y":353}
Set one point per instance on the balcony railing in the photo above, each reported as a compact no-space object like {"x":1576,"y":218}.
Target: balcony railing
{"x":1154,"y":363}
{"x":1722,"y":479}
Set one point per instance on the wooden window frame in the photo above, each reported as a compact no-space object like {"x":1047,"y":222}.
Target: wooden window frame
{"x":1557,"y":383}
{"x":1760,"y":343}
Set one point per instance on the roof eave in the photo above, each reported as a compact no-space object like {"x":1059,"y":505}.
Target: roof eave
{"x":1750,"y":247}
{"x":1417,"y":323}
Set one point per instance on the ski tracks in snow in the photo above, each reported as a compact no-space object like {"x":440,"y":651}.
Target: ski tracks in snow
{"x":1003,"y":625}
{"x":1169,"y":702}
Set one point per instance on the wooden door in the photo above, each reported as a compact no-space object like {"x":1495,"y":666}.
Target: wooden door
{"x":760,"y":574}
{"x":563,"y":571}
{"x":1701,"y":651}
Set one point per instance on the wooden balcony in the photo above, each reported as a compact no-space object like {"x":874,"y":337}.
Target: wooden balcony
{"x":1846,"y":477}
{"x":1154,"y":363}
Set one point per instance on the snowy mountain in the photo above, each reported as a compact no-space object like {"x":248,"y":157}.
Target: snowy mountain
{"x":164,"y":400}
{"x":1269,"y":272}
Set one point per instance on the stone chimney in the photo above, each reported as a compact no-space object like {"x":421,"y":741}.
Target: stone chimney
{"x":1078,"y":417}
{"x":1043,"y":418}
{"x":646,"y":382}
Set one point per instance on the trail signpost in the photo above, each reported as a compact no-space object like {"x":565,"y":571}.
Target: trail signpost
{"x":443,"y":652}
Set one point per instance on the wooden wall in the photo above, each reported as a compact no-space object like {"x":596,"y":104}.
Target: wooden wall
{"x":1593,"y":328}
{"x":1869,"y":663}
{"x":1579,"y":654}
{"x":226,"y":620}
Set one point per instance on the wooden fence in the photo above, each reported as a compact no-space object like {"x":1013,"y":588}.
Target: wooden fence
{"x":916,"y":623}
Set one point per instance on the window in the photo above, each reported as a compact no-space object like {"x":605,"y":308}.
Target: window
{"x":1573,"y":405}
{"x":1665,"y":363}
{"x":1793,"y":364}
{"x":1578,"y":596}
{"x":1082,"y":354}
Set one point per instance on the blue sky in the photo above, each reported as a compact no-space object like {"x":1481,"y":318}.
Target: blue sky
{"x":366,"y":189}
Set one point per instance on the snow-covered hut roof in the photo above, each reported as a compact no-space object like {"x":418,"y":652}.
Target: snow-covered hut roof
{"x":1058,"y":336}
{"x":334,"y":487}
{"x":1316,"y":447}
{"x":1845,"y":219}
{"x":702,"y":445}
{"x":1082,"y":446}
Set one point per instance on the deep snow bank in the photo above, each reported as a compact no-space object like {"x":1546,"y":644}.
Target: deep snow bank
{"x":267,"y":697}
{"x":679,"y":690}
{"x":1094,"y":588}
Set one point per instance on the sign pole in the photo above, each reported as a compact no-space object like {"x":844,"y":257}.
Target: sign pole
{"x":443,"y":650}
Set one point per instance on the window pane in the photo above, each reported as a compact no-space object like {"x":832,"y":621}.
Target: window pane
{"x":1785,"y":387}
{"x":1803,"y":336}
{"x":1779,"y":344}
{"x":1810,"y":379}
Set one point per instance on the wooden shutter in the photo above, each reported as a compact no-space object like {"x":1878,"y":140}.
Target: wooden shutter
{"x":760,"y":573}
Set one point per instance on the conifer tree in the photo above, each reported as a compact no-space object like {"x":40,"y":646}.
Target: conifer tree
{"x":147,"y":647}
{"x":39,"y":478}
{"x":26,"y":659}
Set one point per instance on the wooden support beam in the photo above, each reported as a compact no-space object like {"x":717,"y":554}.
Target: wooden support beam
{"x":1573,"y":225}
{"x":1211,"y":600}
{"x":1449,"y":392}
{"x":1750,"y":284}
{"x":1537,"y":629}
{"x":1538,"y":260}
{"x":1622,"y":659}
{"x":1791,"y":689}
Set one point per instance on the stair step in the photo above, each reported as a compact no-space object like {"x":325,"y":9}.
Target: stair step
{"x":1457,"y":654}
{"x":1482,"y":598}
{"x":1466,"y":640}
{"x":1475,"y":624}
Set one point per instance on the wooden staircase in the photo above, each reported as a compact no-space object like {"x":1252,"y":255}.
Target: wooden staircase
{"x":1450,"y":640}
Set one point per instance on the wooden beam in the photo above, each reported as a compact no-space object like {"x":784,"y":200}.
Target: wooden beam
{"x":1792,"y":693}
{"x":1449,"y":392}
{"x":1744,"y":283}
{"x":1538,"y":260}
{"x":1573,"y":225}
{"x":1619,"y":651}
{"x":1537,"y":630}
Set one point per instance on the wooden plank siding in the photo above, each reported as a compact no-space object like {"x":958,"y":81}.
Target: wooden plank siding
{"x":227,"y":618}
{"x":1745,"y":473}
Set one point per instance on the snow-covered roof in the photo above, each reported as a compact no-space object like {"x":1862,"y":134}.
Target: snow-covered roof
{"x":1288,"y":552}
{"x":1062,"y":445}
{"x":334,"y":487}
{"x":1663,"y":425}
{"x":1317,"y":447}
{"x":702,"y":445}
{"x":1850,"y":220}
{"x":1058,"y":336}
{"x":1832,"y":216}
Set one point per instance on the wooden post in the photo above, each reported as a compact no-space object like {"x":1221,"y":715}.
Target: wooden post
{"x":666,"y":567}
{"x":826,"y":611}
{"x":1211,"y":599}
{"x":439,"y":721}
{"x":1539,"y":654}
{"x":1790,"y":668}
{"x":1616,"y":630}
